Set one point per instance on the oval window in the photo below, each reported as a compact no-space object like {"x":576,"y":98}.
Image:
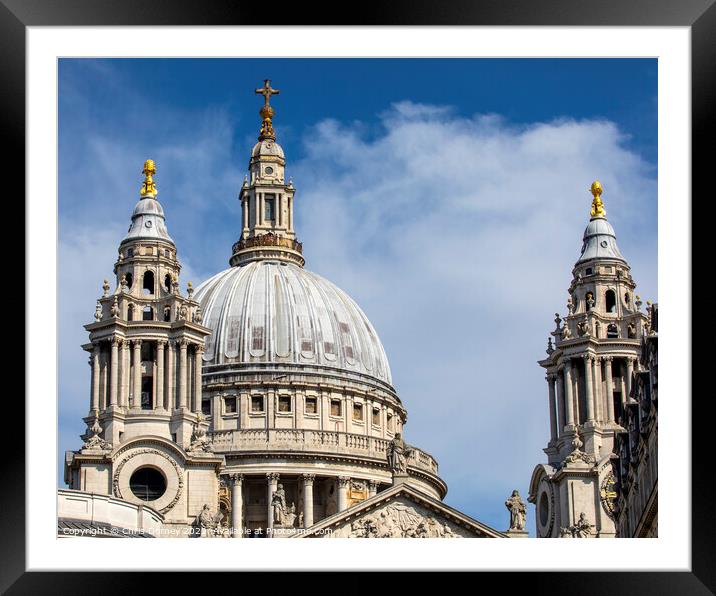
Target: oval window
{"x":543,"y":509}
{"x":148,"y":484}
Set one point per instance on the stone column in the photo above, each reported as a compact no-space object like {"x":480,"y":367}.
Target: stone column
{"x":137,"y":372}
{"x":589,"y":387}
{"x":308,"y":499}
{"x":552,"y":407}
{"x":343,"y":492}
{"x":102,"y":379}
{"x":569,"y":400}
{"x":290,"y":213}
{"x":561,"y":418}
{"x":94,"y":401}
{"x":609,"y":388}
{"x":170,"y":377}
{"x":272,"y":478}
{"x":598,"y":393}
{"x":630,"y":372}
{"x":159,"y":398}
{"x":198,"y":351}
{"x":237,"y":503}
{"x":182,"y":373}
{"x":372,"y":488}
{"x":124,"y":374}
{"x":113,"y":371}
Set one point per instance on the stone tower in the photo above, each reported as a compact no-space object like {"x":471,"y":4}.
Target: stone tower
{"x":591,"y":355}
{"x":146,"y":345}
{"x":266,"y":199}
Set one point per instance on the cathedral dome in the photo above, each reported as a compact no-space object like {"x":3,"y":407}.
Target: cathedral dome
{"x":269,"y":311}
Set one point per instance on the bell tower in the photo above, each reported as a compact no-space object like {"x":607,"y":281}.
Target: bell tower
{"x":591,"y":355}
{"x":147,"y":339}
{"x":267,"y":199}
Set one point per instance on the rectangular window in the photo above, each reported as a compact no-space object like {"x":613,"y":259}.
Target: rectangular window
{"x":390,"y":422}
{"x":335,"y":407}
{"x":311,"y":405}
{"x":284,"y":403}
{"x":269,"y":207}
{"x":257,"y":403}
{"x":376,"y":416}
{"x":230,"y":405}
{"x":357,"y":411}
{"x":206,"y":407}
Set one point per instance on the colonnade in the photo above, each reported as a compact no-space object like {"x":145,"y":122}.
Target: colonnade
{"x":175,"y":373}
{"x":598,"y":393}
{"x":272,"y":482}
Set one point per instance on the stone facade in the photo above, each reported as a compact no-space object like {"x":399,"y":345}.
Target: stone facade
{"x":592,"y":355}
{"x":636,"y":461}
{"x":260,"y":405}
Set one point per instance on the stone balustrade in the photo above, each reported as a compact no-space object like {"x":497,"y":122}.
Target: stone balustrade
{"x":278,"y":439}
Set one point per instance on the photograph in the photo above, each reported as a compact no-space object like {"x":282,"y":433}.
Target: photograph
{"x":356,"y":297}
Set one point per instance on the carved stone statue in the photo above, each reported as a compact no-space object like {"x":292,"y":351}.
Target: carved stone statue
{"x":631,"y":330}
{"x":115,"y":308}
{"x":199,"y":441}
{"x":105,"y":288}
{"x":518,"y":511}
{"x":98,"y":311}
{"x":278,"y":504}
{"x":210,"y":524}
{"x":198,"y":318}
{"x":581,"y":529}
{"x":398,"y":452}
{"x":577,"y":453}
{"x":566,"y":333}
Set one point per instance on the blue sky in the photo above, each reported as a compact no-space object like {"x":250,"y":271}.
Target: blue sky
{"x":447,"y":196}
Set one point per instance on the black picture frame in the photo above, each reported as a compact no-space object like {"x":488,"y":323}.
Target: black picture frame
{"x":699,"y":15}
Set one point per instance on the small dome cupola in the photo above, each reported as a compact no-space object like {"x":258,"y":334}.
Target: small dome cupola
{"x":266,"y":198}
{"x":148,"y":215}
{"x":600,"y":241}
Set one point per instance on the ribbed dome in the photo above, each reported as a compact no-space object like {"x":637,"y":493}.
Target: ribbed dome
{"x":148,"y":221}
{"x":600,"y":241}
{"x":271,"y":312}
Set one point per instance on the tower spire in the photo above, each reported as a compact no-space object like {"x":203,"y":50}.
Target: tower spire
{"x":267,"y":112}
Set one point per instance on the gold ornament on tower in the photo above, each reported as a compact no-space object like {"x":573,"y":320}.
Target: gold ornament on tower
{"x":148,"y":186}
{"x":597,"y":204}
{"x":267,"y":112}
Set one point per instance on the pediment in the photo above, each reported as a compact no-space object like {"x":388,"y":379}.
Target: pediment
{"x":400,"y":512}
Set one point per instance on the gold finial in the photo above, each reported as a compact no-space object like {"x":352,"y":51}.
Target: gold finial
{"x":148,"y":186}
{"x":267,"y":112}
{"x":597,"y":205}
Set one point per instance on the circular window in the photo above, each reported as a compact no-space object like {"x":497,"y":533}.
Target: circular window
{"x":148,"y":484}
{"x":269,"y":170}
{"x":148,"y":223}
{"x":543,"y":510}
{"x":603,"y":243}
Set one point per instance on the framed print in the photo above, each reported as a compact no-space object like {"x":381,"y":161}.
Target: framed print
{"x":393,"y":279}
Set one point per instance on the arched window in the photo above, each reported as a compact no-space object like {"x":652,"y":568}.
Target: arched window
{"x":168,"y":283}
{"x":167,"y":313}
{"x":612,"y":331}
{"x":148,"y":313}
{"x":610,"y":300}
{"x":130,"y":312}
{"x":129,"y":279}
{"x":148,"y":282}
{"x":626,"y":298}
